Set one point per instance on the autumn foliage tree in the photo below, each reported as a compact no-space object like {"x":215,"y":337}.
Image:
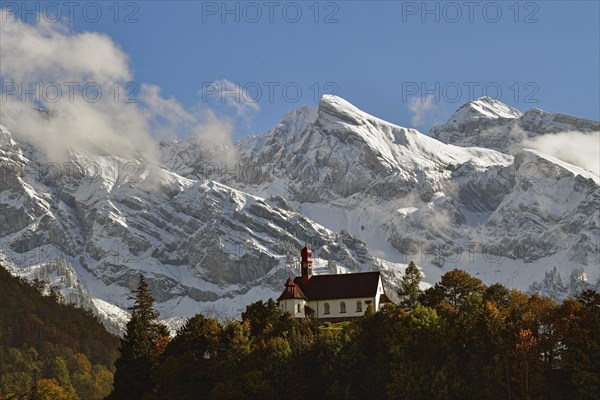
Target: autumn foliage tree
{"x":459,"y":340}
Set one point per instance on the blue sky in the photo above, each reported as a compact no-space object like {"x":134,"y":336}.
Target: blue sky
{"x":377,"y":55}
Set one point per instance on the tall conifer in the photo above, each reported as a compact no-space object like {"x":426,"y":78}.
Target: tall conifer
{"x":133,"y":376}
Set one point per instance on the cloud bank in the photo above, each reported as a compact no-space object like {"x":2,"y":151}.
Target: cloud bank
{"x":64,"y":91}
{"x":577,"y":148}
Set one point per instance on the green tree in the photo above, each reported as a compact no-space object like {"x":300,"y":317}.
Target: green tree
{"x":232,"y":363}
{"x":188,"y":365}
{"x":266,"y":319}
{"x":133,"y":376}
{"x":423,"y":318}
{"x":454,"y":288}
{"x":59,"y":370}
{"x":409,"y":291}
{"x":582,"y":342}
{"x":497,"y":293}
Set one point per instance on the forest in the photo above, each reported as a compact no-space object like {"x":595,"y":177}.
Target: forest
{"x":49,"y":350}
{"x":459,"y":339}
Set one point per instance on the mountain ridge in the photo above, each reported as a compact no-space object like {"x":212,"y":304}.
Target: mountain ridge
{"x":217,"y":227}
{"x":505,"y":128}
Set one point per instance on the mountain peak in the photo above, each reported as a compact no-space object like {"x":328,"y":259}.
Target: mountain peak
{"x":483,"y":108}
{"x":334,"y":109}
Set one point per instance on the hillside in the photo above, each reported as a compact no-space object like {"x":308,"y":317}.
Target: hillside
{"x":50,"y":347}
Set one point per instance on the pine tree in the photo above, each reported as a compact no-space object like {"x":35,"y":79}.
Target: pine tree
{"x":409,"y":286}
{"x":133,"y":376}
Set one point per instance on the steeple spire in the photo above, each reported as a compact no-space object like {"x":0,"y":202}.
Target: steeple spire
{"x":306,"y":263}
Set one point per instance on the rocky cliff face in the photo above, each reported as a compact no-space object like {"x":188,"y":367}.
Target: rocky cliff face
{"x":202,"y":245}
{"x":215,"y":228}
{"x":505,"y":216}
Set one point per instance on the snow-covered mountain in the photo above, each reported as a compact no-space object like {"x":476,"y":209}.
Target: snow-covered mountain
{"x":215,"y":228}
{"x":202,"y":245}
{"x":489,"y":123}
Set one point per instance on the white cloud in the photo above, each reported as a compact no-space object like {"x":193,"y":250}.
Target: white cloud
{"x":425,"y":111}
{"x":233,"y":95}
{"x":123,"y":120}
{"x":47,"y":50}
{"x":577,"y":148}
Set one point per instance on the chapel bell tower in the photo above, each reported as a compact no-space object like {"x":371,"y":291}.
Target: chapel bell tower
{"x":306,"y":263}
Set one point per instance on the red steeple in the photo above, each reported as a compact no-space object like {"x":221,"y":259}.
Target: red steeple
{"x":306,"y":263}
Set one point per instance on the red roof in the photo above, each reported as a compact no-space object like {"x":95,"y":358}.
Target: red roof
{"x":292,"y":291}
{"x":343,"y":286}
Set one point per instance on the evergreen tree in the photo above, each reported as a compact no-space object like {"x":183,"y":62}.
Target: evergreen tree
{"x":409,"y":291}
{"x":133,"y":376}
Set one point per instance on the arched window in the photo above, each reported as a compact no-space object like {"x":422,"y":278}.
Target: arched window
{"x":358,"y":306}
{"x":326,"y":308}
{"x":299,"y":307}
{"x":342,"y":307}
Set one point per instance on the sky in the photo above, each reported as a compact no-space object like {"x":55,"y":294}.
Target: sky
{"x":242,"y":66}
